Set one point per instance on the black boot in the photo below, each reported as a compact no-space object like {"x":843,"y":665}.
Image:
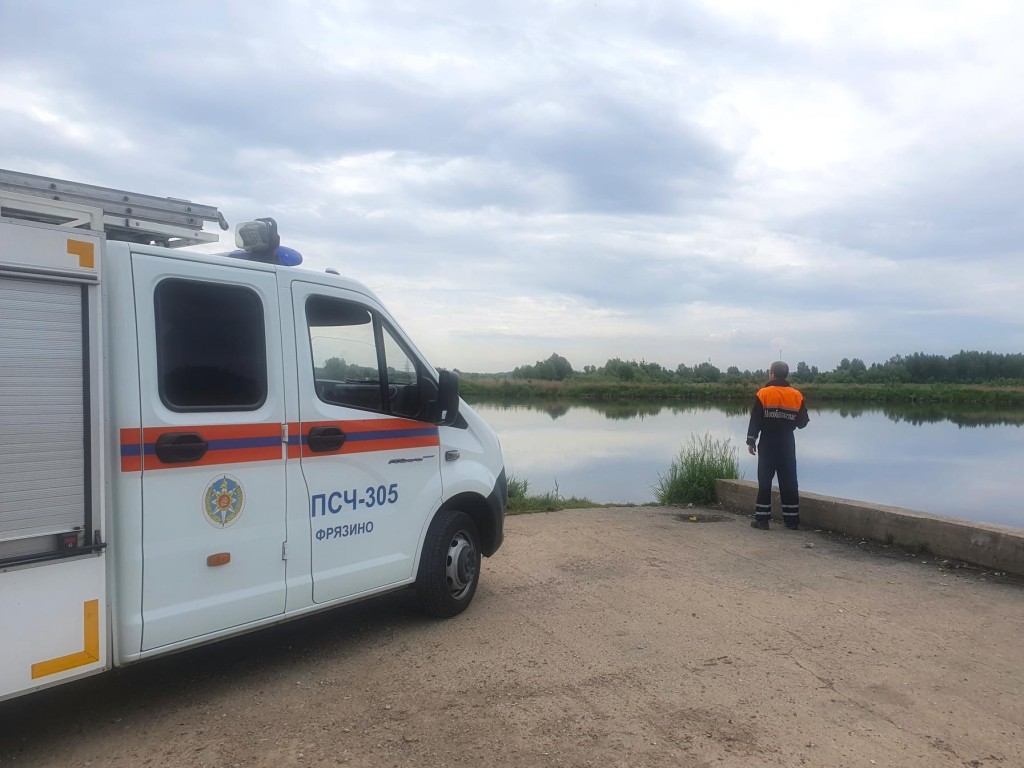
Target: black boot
{"x":760,"y":523}
{"x":792,"y":522}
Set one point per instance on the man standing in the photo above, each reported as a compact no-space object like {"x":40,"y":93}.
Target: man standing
{"x":778,"y":410}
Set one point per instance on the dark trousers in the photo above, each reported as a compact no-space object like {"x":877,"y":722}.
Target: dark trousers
{"x":776,"y":455}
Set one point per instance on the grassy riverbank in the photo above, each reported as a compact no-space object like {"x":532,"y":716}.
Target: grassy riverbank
{"x":521,"y":501}
{"x":587,"y":388}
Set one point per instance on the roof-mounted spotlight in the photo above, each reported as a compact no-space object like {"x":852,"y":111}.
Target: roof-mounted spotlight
{"x":259,"y":241}
{"x":258,"y":238}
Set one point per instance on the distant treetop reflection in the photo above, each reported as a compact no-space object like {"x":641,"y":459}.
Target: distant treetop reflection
{"x":963,"y":416}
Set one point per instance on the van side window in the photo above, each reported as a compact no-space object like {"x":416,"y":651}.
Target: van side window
{"x":210,"y":346}
{"x":359,"y":362}
{"x":403,"y":378}
{"x":346,"y":367}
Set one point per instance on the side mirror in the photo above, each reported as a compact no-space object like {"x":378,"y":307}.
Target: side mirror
{"x":447,"y":398}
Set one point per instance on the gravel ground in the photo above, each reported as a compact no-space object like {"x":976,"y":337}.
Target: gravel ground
{"x":606,"y":637}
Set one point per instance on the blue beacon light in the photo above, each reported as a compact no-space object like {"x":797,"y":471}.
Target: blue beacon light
{"x":288,"y":257}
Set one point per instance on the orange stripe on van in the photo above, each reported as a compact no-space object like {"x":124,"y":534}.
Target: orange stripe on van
{"x":131,"y":450}
{"x":365,"y":436}
{"x":240,"y":443}
{"x":226,"y":444}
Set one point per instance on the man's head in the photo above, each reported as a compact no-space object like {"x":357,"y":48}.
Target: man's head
{"x":779,"y":371}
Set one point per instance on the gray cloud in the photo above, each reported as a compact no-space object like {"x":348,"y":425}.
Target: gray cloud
{"x":674,"y":180}
{"x":945,"y":212}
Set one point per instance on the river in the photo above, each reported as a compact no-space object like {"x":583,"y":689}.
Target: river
{"x":955,"y":462}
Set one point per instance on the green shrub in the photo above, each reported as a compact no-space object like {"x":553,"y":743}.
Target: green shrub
{"x":691,"y":478}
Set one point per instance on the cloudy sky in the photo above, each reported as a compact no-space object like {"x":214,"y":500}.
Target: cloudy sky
{"x":673,"y":181}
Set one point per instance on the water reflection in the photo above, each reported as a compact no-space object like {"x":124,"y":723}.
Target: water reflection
{"x":956,"y":461}
{"x":631,"y":410}
{"x":558,"y":408}
{"x":934,"y":413}
{"x":914,"y":414}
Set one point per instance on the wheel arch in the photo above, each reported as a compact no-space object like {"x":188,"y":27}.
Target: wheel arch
{"x":481,"y":510}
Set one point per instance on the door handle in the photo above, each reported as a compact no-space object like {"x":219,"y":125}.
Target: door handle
{"x":180,"y":447}
{"x":324,"y":439}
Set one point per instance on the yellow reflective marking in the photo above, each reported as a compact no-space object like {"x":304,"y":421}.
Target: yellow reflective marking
{"x":85,"y":252}
{"x":90,"y":654}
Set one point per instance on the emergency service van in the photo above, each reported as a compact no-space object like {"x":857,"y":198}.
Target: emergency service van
{"x":194,"y":446}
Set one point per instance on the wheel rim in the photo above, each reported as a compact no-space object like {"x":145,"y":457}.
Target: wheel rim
{"x":460,"y":567}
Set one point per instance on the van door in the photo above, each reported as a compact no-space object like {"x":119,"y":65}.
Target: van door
{"x":371,"y":464}
{"x":213,"y":475}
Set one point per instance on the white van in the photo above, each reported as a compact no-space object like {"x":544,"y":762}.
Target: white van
{"x":194,"y":446}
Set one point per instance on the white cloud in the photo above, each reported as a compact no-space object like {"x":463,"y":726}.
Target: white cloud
{"x":670,"y":181}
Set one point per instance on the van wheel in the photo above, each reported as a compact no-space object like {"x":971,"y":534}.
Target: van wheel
{"x":450,"y":565}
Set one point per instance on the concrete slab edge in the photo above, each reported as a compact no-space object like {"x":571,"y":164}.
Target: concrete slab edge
{"x":997,"y":547}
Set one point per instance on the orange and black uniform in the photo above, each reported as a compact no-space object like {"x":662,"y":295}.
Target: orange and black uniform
{"x":778,"y":410}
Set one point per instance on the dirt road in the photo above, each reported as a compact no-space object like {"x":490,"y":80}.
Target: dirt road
{"x":611,"y":637}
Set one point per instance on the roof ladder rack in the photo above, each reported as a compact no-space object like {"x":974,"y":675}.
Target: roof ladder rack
{"x":122,"y":215}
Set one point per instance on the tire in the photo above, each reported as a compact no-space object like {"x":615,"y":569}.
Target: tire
{"x":450,"y":565}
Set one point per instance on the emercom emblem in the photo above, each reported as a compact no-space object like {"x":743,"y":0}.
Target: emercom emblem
{"x":223,"y":501}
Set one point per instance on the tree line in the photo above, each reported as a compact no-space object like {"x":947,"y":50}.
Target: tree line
{"x":965,"y":367}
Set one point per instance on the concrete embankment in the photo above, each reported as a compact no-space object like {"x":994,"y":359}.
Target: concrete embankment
{"x":997,"y":547}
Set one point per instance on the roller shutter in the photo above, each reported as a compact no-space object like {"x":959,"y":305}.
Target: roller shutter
{"x":43,"y":422}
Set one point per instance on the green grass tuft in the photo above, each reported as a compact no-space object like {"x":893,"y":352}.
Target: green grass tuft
{"x":691,"y":478}
{"x":520,"y":500}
